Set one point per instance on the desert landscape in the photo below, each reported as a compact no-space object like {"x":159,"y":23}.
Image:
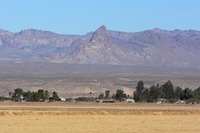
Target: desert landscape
{"x":98,"y":118}
{"x":99,"y":66}
{"x":73,"y":80}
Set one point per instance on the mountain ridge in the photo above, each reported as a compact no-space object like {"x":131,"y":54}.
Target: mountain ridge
{"x":150,"y":47}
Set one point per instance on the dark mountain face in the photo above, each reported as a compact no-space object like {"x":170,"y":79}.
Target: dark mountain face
{"x":148,"y":48}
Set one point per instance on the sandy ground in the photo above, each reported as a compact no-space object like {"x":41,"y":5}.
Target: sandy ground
{"x":98,"y":118}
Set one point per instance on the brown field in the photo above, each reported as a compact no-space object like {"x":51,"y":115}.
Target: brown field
{"x":98,"y":118}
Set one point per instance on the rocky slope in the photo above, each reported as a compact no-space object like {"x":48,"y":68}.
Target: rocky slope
{"x":151,"y":47}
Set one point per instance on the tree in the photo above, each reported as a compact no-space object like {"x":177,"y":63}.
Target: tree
{"x":120,"y":95}
{"x":46,"y":95}
{"x":168,"y":90}
{"x":139,"y":91}
{"x":155,"y":93}
{"x":186,"y":94}
{"x":136,"y":96}
{"x":197,"y":93}
{"x":177,"y":92}
{"x":101,"y":96}
{"x":18,"y":91}
{"x":17,"y":95}
{"x":36,"y":96}
{"x":41,"y":94}
{"x":28,"y":96}
{"x":55,"y":96}
{"x":145,"y":95}
{"x":140,"y":86}
{"x":107,"y":93}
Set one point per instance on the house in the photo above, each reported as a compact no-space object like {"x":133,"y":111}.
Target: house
{"x":161,"y":100}
{"x":62,"y":99}
{"x":130,"y":101}
{"x":105,"y":101}
{"x":180,"y":102}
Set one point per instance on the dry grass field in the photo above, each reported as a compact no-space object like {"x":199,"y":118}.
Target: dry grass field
{"x":98,"y":118}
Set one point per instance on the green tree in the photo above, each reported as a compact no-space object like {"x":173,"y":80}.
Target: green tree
{"x":46,"y":95}
{"x":139,"y":91}
{"x":145,"y":95}
{"x":36,"y":96}
{"x":197,"y":93}
{"x":186,"y":94}
{"x":136,"y":96}
{"x":101,"y":96}
{"x":177,"y":92}
{"x":28,"y":96}
{"x":41,"y":94}
{"x":18,"y":91}
{"x":107,"y":93}
{"x":155,"y":93}
{"x":17,"y":95}
{"x":55,"y":96}
{"x":168,"y":90}
{"x":140,"y":86}
{"x":120,"y":95}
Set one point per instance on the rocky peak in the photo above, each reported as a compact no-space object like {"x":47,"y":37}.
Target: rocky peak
{"x":101,"y":29}
{"x":100,"y":35}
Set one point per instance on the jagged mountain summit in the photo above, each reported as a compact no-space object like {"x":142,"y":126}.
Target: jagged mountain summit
{"x":151,"y":47}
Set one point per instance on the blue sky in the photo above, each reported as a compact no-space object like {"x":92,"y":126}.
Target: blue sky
{"x":82,"y":16}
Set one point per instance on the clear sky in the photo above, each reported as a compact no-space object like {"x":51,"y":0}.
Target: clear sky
{"x":82,"y":16}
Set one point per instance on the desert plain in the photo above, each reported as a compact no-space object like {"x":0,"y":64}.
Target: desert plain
{"x":98,"y":118}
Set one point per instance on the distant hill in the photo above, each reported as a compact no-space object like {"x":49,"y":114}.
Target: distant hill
{"x":180,"y":48}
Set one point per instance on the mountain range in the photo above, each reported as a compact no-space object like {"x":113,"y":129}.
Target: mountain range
{"x":180,"y":48}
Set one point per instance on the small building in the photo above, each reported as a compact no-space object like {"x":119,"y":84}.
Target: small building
{"x":70,"y":100}
{"x":62,"y":99}
{"x":180,"y":102}
{"x":130,"y":100}
{"x":105,"y":101}
{"x":161,"y":100}
{"x":193,"y":102}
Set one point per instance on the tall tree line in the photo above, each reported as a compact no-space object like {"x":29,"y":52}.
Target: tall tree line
{"x":40,"y":95}
{"x":166,"y":91}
